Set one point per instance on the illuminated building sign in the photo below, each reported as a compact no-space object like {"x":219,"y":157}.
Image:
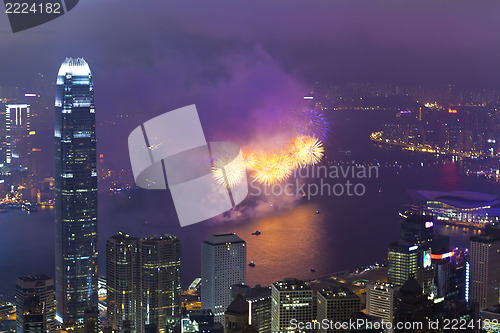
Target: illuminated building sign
{"x":413,"y":248}
{"x":427,"y":258}
{"x":442,"y":256}
{"x":429,"y":224}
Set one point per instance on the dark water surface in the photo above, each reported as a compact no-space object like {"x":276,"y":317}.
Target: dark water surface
{"x":350,"y":231}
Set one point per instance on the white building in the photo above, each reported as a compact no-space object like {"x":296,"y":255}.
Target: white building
{"x":223,"y":264}
{"x":380,"y":300}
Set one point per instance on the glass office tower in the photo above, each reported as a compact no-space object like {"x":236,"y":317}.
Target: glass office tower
{"x":75,"y":192}
{"x":160,"y":279}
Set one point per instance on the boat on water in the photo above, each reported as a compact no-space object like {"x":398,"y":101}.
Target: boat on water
{"x":251,"y":264}
{"x":256,"y":233}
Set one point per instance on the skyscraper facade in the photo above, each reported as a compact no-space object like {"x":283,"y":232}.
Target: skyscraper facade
{"x":33,"y":316}
{"x":338,"y":304}
{"x":160,"y":266}
{"x":75,"y":192}
{"x":380,"y":300}
{"x":41,"y":288}
{"x":484,"y":269}
{"x":17,"y":128}
{"x":402,"y":262}
{"x":143,"y":283}
{"x":291,"y":299}
{"x":122,"y":282}
{"x":223,"y":264}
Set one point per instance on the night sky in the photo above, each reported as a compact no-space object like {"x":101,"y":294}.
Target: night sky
{"x":244,"y":63}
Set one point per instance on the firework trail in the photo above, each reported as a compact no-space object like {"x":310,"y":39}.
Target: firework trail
{"x":249,"y":159}
{"x":312,"y":122}
{"x":311,"y":150}
{"x":228,"y":172}
{"x":273,"y":168}
{"x":303,"y":150}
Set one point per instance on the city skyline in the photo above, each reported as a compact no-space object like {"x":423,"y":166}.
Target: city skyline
{"x":368,"y":136}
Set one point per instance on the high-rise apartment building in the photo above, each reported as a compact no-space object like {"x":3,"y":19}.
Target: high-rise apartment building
{"x":75,"y":192}
{"x":223,"y":264}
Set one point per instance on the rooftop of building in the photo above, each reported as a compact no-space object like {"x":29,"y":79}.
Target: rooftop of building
{"x":382,"y":284}
{"x":337,"y":292}
{"x":238,"y":306}
{"x":487,"y":238}
{"x":74,"y":66}
{"x":458,"y":199}
{"x":259,"y":292}
{"x":200,"y":312}
{"x":223,"y":239}
{"x":121,"y":237}
{"x":291,"y":284}
{"x":411,"y":286}
{"x":34,"y":278}
{"x":154,"y":238}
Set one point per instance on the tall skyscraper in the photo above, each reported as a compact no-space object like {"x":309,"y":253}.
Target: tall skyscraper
{"x":411,"y":254}
{"x":223,"y":263}
{"x":75,"y":192}
{"x":291,"y":299}
{"x":160,"y":265}
{"x":484,"y":269}
{"x":402,"y":262}
{"x":28,"y":288}
{"x":122,"y":282}
{"x":143,"y":283}
{"x":450,"y":276}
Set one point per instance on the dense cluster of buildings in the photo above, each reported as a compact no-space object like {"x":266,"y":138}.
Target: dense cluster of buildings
{"x":20,"y":154}
{"x":426,"y":280}
{"x":462,"y":130}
